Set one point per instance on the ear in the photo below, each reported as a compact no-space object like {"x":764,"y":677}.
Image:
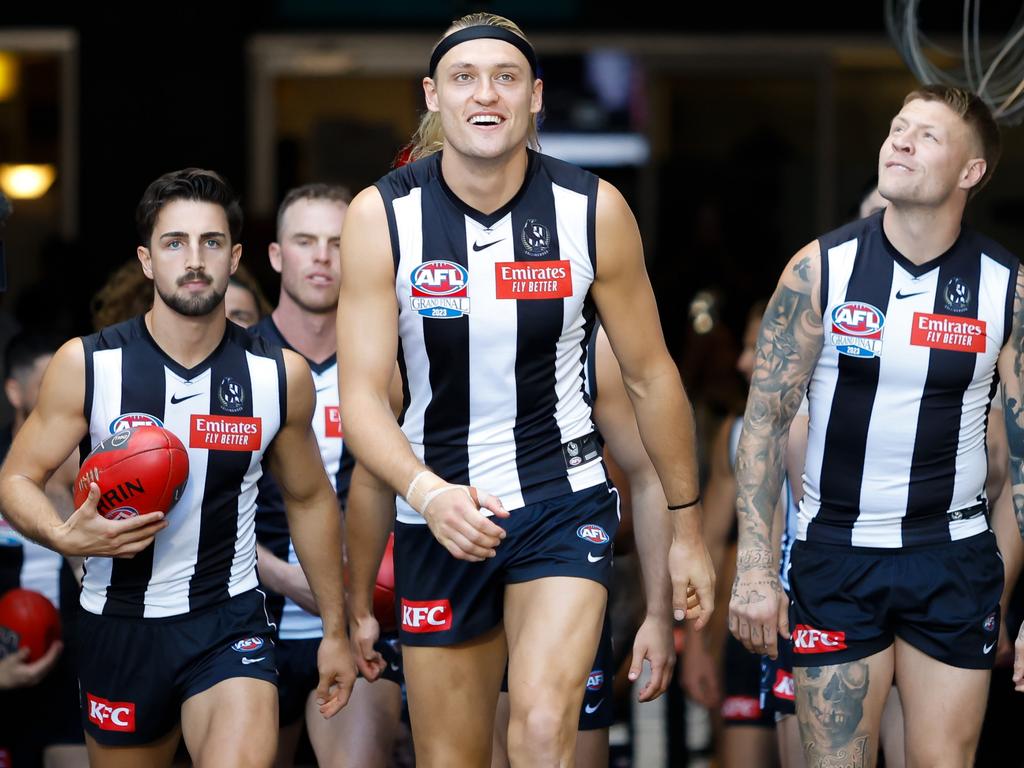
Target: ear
{"x":973,"y":173}
{"x":430,"y":94}
{"x":146,"y":260}
{"x":537,"y":99}
{"x":274,"y":252}
{"x":13,"y":392}
{"x":236,"y":256}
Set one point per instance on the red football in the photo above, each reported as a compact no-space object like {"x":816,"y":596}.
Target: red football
{"x":384,"y":591}
{"x":27,"y":620}
{"x":139,"y":470}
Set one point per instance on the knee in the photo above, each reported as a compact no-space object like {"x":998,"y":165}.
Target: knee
{"x":537,"y":731}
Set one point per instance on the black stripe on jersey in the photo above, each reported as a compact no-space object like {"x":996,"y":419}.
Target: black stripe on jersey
{"x":446,"y":418}
{"x":539,"y":460}
{"x":842,"y":465}
{"x":225,"y":470}
{"x":1011,"y":295}
{"x":406,"y":395}
{"x":933,"y":467}
{"x":592,"y":186}
{"x":143,"y":387}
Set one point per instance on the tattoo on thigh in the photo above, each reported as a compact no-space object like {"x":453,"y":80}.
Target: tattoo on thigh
{"x":830,"y":708}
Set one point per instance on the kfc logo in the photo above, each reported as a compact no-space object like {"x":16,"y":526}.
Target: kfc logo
{"x":332,"y":422}
{"x":783,"y":687}
{"x":426,"y":615}
{"x":809,"y":640}
{"x":741,"y":708}
{"x":111,"y":715}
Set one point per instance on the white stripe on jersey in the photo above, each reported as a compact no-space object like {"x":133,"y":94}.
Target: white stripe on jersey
{"x":417,"y":364}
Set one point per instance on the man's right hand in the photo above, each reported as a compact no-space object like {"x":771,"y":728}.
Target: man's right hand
{"x":757,"y":610}
{"x":453,"y":515}
{"x":16,"y":672}
{"x":364,"y":632}
{"x":87,"y":532}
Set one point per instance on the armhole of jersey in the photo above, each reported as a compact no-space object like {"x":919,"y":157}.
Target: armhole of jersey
{"x":85,"y":446}
{"x":396,"y":254}
{"x":823,"y":258}
{"x":592,"y":363}
{"x":282,"y":385}
{"x":592,"y":222}
{"x":1011,"y":297}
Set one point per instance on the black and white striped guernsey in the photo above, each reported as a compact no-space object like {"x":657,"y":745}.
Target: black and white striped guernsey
{"x":900,"y":395}
{"x":494,"y":321}
{"x":293,"y":622}
{"x":234,"y":400}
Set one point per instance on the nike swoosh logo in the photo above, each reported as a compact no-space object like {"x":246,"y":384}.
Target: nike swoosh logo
{"x":324,"y":389}
{"x":988,"y":648}
{"x":478,"y":247}
{"x":592,"y":709}
{"x":175,"y":399}
{"x":394,"y":667}
{"x":247,"y":660}
{"x":901,"y":295}
{"x":591,"y":558}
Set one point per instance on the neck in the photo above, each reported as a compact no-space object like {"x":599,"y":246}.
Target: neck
{"x":922,"y":233}
{"x":187,"y":340}
{"x":483,"y":183}
{"x":313,"y":335}
{"x":18,"y":421}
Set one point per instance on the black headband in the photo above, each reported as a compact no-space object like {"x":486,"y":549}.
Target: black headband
{"x":482,"y":32}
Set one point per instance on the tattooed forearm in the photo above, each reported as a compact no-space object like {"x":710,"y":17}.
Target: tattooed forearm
{"x":787,"y":350}
{"x":1013,"y":402}
{"x":754,"y":558}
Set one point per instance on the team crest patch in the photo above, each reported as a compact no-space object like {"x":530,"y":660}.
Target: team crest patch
{"x":440,"y":289}
{"x":956,"y":296}
{"x":535,"y":238}
{"x":231,"y":395}
{"x":857,"y":329}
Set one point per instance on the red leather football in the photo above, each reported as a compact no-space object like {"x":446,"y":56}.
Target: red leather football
{"x":384,"y":591}
{"x":139,"y":470}
{"x":27,"y":620}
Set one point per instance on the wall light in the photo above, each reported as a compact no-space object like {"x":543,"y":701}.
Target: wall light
{"x":26,"y":182}
{"x":8,"y":76}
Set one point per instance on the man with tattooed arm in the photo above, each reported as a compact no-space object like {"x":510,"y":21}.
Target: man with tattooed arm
{"x":894,"y":325}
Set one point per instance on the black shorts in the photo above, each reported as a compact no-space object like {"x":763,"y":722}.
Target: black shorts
{"x":741,"y":704}
{"x":134,"y":674}
{"x":444,"y":601}
{"x":850,"y":602}
{"x":598,"y":708}
{"x":298,"y":674}
{"x":777,"y":692}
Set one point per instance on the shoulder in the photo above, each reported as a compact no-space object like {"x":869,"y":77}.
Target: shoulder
{"x":402,"y":180}
{"x":564,"y":174}
{"x":854,"y":230}
{"x":253,"y":341}
{"x":986,"y":246}
{"x":113,"y":336}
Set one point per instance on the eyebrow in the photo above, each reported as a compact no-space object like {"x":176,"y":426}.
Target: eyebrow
{"x":312,"y":236}
{"x":184,"y":235}
{"x":499,"y":65}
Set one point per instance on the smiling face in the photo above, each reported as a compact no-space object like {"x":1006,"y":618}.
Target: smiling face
{"x":487,"y":98}
{"x":929,"y":156}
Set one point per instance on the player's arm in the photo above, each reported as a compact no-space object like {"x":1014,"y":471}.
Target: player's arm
{"x":626,"y":305}
{"x":367,"y":350}
{"x":286,"y":579}
{"x":369,"y":518}
{"x":59,"y":490}
{"x":52,"y":431}
{"x":788,"y":347}
{"x":652,"y":524}
{"x":314,"y":521}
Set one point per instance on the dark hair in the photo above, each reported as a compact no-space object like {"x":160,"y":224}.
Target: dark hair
{"x":24,"y":349}
{"x":334,"y":193}
{"x":188,"y":184}
{"x":973,"y":110}
{"x":127,"y":293}
{"x":244,"y":279}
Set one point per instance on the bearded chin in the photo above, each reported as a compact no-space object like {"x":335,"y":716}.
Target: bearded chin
{"x":192,"y":306}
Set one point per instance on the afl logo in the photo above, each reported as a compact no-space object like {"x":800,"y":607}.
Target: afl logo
{"x":990,"y":622}
{"x":439,"y":278}
{"x":595,"y":680}
{"x":593,"y":533}
{"x":122,"y":513}
{"x":248,"y":645}
{"x":857,"y":329}
{"x":132,"y":420}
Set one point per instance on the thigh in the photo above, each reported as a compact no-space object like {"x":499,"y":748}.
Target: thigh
{"x":746,"y":745}
{"x":944,"y":708}
{"x":839,"y":708}
{"x":233,"y":723}
{"x":791,"y":751}
{"x":153,"y":755}
{"x":452,"y":693}
{"x":363,"y":733}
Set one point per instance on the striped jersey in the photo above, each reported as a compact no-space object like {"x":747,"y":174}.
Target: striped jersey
{"x":23,"y":562}
{"x":494,"y":320}
{"x":226,"y":410}
{"x":271,"y":521}
{"x":900,"y":394}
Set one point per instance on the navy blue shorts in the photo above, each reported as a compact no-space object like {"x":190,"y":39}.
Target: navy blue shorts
{"x":777,"y":692}
{"x":134,"y":674}
{"x":850,"y":602}
{"x":444,"y":601}
{"x":741,"y":704}
{"x":298,"y":674}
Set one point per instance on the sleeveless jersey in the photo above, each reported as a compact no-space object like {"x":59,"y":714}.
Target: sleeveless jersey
{"x":494,"y":321}
{"x":271,"y":521}
{"x":900,"y":394}
{"x":226,"y":410}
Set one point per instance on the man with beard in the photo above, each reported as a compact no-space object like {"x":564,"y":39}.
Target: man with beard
{"x":176,"y":636}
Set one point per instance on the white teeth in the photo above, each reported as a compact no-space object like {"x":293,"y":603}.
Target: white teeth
{"x":485,"y":120}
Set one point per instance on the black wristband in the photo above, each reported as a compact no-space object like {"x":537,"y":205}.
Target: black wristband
{"x":674,"y":507}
